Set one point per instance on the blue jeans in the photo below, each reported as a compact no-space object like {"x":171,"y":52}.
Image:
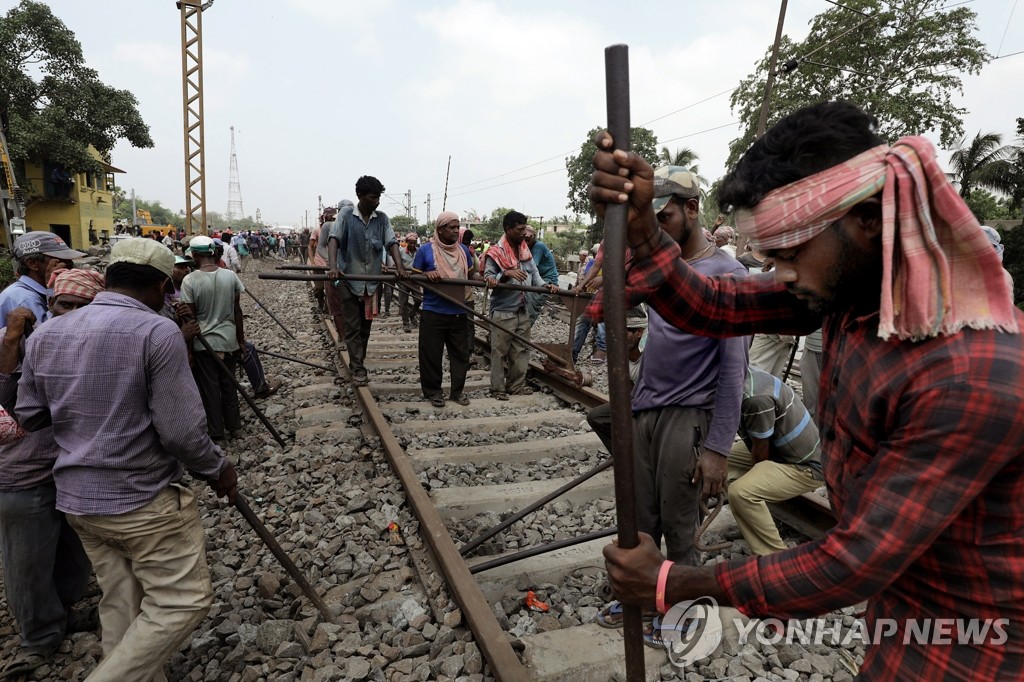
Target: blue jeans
{"x":254,"y":368}
{"x":583,"y":326}
{"x":45,"y":567}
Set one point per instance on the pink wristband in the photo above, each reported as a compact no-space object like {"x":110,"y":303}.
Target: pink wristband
{"x":659,"y":595}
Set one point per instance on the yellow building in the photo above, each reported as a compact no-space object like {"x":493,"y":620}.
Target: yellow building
{"x":78,"y":208}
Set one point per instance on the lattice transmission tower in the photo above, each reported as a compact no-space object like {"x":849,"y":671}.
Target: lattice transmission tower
{"x":235,"y":211}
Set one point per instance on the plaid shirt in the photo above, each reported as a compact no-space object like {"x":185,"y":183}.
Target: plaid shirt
{"x":126,"y":413}
{"x":922,"y":448}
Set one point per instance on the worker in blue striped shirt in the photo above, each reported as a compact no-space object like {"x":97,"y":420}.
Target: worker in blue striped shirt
{"x":777,"y":457}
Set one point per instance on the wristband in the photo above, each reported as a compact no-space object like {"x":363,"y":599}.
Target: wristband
{"x":659,"y":595}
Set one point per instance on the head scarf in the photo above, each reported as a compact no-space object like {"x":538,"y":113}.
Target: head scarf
{"x":725,"y":231}
{"x":994,"y":239}
{"x":82,"y":283}
{"x":939,"y":272}
{"x":449,"y":259}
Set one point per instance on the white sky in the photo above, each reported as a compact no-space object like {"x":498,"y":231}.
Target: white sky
{"x":323,"y":91}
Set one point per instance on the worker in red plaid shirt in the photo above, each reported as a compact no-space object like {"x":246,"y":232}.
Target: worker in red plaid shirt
{"x":921,"y":402}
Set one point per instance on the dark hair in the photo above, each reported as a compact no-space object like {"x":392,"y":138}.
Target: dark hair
{"x":513,"y":218}
{"x":467,"y":237}
{"x":368,"y":185}
{"x":133,"y":276}
{"x":803,"y":143}
{"x":23,"y":262}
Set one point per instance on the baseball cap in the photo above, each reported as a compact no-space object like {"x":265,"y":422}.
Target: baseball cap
{"x":47,"y":243}
{"x":201,"y":244}
{"x":142,"y":251}
{"x":672,"y":181}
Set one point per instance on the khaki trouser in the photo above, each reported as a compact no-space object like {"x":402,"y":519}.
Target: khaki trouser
{"x":752,"y":486}
{"x":770,"y":352}
{"x":510,"y":359}
{"x":151,"y":565}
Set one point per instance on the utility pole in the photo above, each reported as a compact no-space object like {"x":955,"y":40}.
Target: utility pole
{"x":429,"y":214}
{"x":135,"y":214}
{"x":770,"y":81}
{"x":408,"y":203}
{"x":762,"y":123}
{"x":192,"y":107}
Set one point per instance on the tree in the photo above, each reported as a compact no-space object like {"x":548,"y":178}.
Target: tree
{"x":52,"y":106}
{"x":644,"y":143}
{"x":903,"y":64}
{"x":403,"y":224}
{"x":687,"y":158}
{"x":985,"y":162}
{"x":492,"y":229}
{"x":1013,"y":260}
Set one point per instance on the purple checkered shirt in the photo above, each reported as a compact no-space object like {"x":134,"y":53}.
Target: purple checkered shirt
{"x":126,"y":412}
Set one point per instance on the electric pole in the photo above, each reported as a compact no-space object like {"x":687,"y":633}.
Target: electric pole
{"x":408,"y":203}
{"x":192,"y":106}
{"x":429,"y":214}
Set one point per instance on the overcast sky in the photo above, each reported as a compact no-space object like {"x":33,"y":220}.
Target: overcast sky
{"x":323,"y":91}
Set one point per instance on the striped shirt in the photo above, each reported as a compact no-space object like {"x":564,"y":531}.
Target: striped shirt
{"x":114,"y":379}
{"x":771,"y":411}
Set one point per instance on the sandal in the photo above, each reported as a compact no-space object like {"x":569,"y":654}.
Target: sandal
{"x":23,"y":663}
{"x":610,"y":616}
{"x":462,"y":400}
{"x":652,"y":634}
{"x":437,"y":401}
{"x":499,"y":395}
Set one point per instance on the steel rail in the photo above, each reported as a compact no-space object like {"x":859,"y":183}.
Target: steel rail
{"x":489,"y":636}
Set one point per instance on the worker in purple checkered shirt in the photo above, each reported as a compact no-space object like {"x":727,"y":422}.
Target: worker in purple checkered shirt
{"x":127,"y":419}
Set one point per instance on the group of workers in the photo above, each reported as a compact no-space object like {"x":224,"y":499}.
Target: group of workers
{"x":917,"y":427}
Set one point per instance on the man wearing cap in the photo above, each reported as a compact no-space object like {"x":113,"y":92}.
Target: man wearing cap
{"x":444,"y":323}
{"x":408,"y":303}
{"x":510,"y":262}
{"x":213,"y":296}
{"x":45,"y":567}
{"x":37,"y":255}
{"x":356,"y":247}
{"x":120,"y":485}
{"x":922,"y":391}
{"x":547,"y":267}
{"x":686,"y":401}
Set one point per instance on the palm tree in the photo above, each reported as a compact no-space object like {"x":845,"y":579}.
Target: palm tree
{"x":985,"y":162}
{"x":687,"y":158}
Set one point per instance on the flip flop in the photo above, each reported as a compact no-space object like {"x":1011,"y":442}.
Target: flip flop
{"x":610,"y":616}
{"x":652,"y":634}
{"x":24,"y":663}
{"x":437,"y":401}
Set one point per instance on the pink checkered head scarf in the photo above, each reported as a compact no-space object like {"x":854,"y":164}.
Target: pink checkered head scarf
{"x":939,"y":272}
{"x":82,"y":283}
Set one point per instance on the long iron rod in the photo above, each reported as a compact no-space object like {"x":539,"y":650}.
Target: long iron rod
{"x":616,"y":64}
{"x":426,"y":283}
{"x":420,"y":278}
{"x":532,"y":507}
{"x":241,"y":391}
{"x":543,"y":549}
{"x":272,"y":315}
{"x":291,"y":359}
{"x":250,"y":516}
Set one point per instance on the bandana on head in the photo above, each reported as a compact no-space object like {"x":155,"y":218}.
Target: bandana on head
{"x":939,"y":272}
{"x":449,"y":258}
{"x":81,"y":283}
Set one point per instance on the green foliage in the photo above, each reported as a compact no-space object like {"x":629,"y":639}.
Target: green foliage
{"x":7,"y":272}
{"x":1013,"y":261}
{"x":644,"y":143}
{"x":402,"y":224}
{"x":984,"y":162}
{"x":492,"y":230}
{"x":566,"y":242}
{"x":904,"y":66}
{"x":987,"y":206}
{"x":52,"y":106}
{"x":160,"y":214}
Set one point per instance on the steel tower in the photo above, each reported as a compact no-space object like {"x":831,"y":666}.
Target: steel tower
{"x":235,"y":211}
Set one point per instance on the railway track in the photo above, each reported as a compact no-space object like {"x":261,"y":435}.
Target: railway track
{"x":465,"y":469}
